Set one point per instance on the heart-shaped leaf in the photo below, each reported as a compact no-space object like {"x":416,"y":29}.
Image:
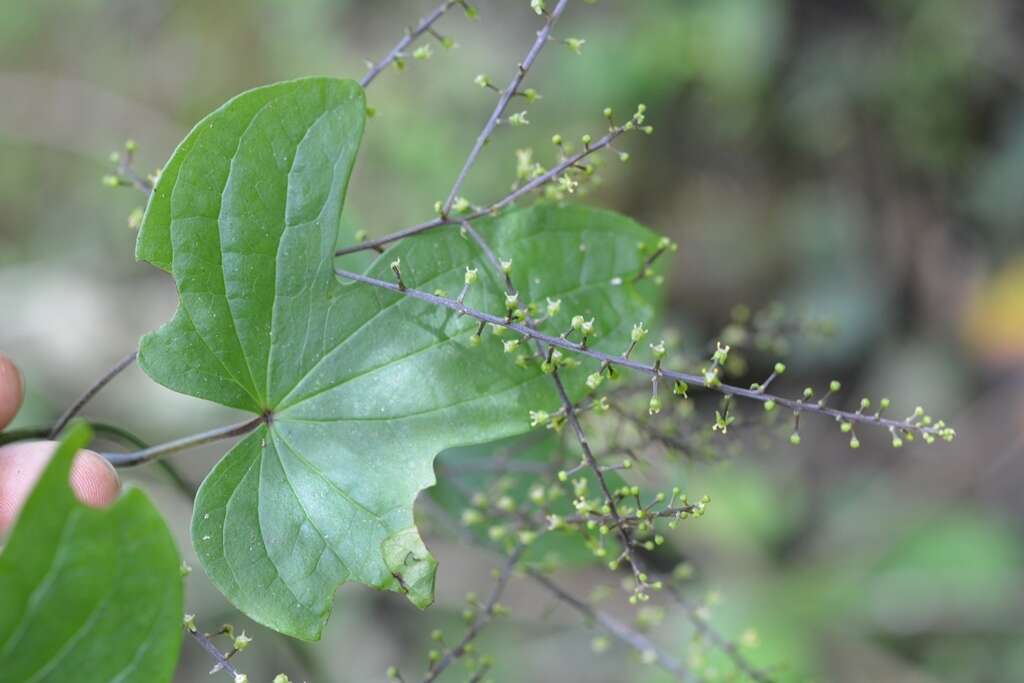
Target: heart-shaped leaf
{"x":88,"y":595}
{"x":360,"y":387}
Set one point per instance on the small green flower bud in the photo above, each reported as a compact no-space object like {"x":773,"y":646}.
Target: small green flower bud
{"x":834,"y":386}
{"x":808,"y":392}
{"x":594,"y":380}
{"x":769,"y":406}
{"x":658,"y":350}
{"x":556,"y":139}
{"x":471,"y":275}
{"x":518,"y":119}
{"x":794,"y":438}
{"x":242,"y":641}
{"x":854,"y":442}
{"x":511,"y":345}
{"x":423,"y":52}
{"x":780,"y":368}
{"x":506,"y":266}
{"x":482,"y":80}
{"x":586,"y":139}
{"x":539,"y":418}
{"x":512,"y":300}
{"x":638,"y":333}
{"x":576,"y":322}
{"x":575,"y":44}
{"x":471,"y":517}
{"x":460,"y":205}
{"x":537,"y":6}
{"x":654,"y":406}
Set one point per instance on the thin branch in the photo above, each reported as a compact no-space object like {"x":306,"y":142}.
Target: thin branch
{"x":146,"y":454}
{"x":412,"y":34}
{"x":524,"y":189}
{"x":89,"y":393}
{"x":503,"y":100}
{"x":617,"y":629}
{"x":691,"y":379}
{"x":588,"y":454}
{"x":620,"y":631}
{"x":482,"y":618}
{"x":717,"y":639}
{"x":223,"y":663}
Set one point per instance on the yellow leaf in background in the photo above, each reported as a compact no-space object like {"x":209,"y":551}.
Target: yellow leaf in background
{"x":993,"y":323}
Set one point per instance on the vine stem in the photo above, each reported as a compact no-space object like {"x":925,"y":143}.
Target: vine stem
{"x":223,"y":663}
{"x":526,"y":188}
{"x":89,"y":393}
{"x":481,"y":620}
{"x":696,"y":380}
{"x":717,"y":639}
{"x":506,"y":95}
{"x":147,"y":454}
{"x":620,"y":631}
{"x":410,"y":35}
{"x":568,"y":407}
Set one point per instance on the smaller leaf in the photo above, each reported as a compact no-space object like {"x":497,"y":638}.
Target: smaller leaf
{"x":88,"y":595}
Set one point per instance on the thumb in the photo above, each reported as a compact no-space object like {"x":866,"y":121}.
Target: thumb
{"x":93,"y":480}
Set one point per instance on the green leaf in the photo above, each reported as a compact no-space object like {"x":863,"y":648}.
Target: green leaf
{"x":360,"y":386}
{"x":85,"y":594}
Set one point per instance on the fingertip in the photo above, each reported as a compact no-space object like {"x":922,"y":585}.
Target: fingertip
{"x":11,"y":390}
{"x":94,"y":480}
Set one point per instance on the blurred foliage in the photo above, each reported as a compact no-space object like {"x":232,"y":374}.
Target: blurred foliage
{"x":859,"y":161}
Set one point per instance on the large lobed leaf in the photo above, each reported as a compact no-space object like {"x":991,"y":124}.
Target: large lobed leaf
{"x":361,"y":387}
{"x":88,"y":595}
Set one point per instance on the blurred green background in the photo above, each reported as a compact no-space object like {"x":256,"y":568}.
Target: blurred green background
{"x":860,"y":161}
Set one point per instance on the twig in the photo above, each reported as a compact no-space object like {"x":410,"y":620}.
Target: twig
{"x":481,"y":620}
{"x":503,"y":100}
{"x":223,"y":663}
{"x":110,"y":374}
{"x":716,"y":638}
{"x":691,"y":379}
{"x":617,"y":629}
{"x":524,"y":189}
{"x":620,"y":631}
{"x":412,"y":34}
{"x":146,"y":454}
